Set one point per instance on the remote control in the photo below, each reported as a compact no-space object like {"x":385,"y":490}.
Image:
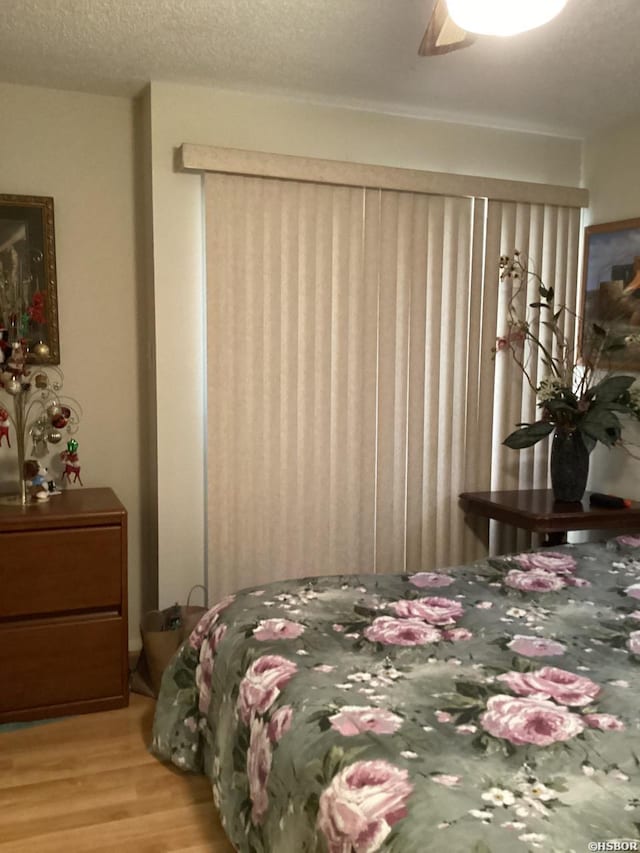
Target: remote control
{"x":609,"y":501}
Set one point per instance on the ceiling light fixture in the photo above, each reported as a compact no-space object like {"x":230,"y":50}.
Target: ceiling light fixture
{"x":503,"y":17}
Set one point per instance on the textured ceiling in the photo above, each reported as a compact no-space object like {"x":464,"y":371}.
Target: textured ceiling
{"x":576,"y":75}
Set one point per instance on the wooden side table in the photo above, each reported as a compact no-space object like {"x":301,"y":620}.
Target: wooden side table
{"x":536,"y":510}
{"x":63,"y":606}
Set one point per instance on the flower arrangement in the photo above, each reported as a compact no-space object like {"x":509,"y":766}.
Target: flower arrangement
{"x":578,"y":395}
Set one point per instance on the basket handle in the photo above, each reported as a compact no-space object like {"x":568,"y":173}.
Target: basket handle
{"x":197,"y":586}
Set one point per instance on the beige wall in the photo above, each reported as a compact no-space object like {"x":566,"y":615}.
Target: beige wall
{"x":79,"y":149}
{"x":265,"y":123}
{"x":125,"y":218}
{"x":612,"y":173}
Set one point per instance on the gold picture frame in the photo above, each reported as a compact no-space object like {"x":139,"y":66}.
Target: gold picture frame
{"x":611,"y":283}
{"x":28,"y":280}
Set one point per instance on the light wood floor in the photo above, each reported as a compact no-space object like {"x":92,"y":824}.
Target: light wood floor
{"x":89,"y":783}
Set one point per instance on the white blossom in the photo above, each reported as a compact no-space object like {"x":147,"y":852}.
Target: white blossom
{"x":539,"y":791}
{"x":481,"y":814}
{"x":534,"y":838}
{"x":360,"y":676}
{"x":499,"y":797}
{"x":550,"y":388}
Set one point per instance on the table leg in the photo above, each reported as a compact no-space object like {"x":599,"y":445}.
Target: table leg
{"x":479,"y":527}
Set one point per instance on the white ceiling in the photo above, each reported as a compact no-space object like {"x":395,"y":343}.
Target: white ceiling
{"x":576,"y":75}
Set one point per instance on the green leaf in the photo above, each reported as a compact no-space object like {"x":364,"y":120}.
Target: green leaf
{"x":502,"y":565}
{"x":623,"y":408}
{"x":332,"y":761}
{"x":509,"y":749}
{"x":471,"y":689}
{"x":183,"y":678}
{"x":558,"y":783}
{"x":555,"y":406}
{"x":529,"y":435}
{"x":468,"y":715}
{"x":604,"y":415}
{"x":480,"y":742}
{"x":312,"y":803}
{"x":611,"y":388}
{"x":602,"y":425}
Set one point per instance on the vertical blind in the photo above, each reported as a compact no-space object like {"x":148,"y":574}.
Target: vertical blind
{"x":548,"y":236}
{"x":351,"y":393}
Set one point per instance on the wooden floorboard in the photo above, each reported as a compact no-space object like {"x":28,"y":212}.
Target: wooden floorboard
{"x":88,"y":783}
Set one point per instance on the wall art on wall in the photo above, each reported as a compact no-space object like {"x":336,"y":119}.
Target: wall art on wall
{"x":611,"y":273}
{"x":28,"y":289}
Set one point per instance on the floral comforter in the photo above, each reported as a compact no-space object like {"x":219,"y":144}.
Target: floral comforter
{"x":491,"y":708}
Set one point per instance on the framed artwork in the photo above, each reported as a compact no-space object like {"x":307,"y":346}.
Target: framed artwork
{"x":28,"y":286}
{"x":611,"y":271}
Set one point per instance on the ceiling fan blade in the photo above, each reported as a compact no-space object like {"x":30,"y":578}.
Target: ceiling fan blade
{"x":442,"y":34}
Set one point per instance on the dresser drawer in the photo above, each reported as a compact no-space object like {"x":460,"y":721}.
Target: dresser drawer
{"x":56,"y":571}
{"x":60,"y":662}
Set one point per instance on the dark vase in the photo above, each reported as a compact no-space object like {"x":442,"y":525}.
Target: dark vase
{"x":569,"y":465}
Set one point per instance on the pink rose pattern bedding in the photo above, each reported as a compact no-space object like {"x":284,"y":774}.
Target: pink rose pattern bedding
{"x":493,"y":708}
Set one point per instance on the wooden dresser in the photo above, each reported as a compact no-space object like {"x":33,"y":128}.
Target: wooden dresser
{"x":63,"y":606}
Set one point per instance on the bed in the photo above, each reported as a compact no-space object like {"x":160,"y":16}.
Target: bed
{"x":489,"y":708}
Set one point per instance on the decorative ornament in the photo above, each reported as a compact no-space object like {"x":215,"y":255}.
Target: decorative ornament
{"x":54,"y":409}
{"x":40,"y":350}
{"x":36,"y":409}
{"x":17,"y":360}
{"x":4,"y":426}
{"x":13,"y":387}
{"x":37,"y":430}
{"x":72,"y":463}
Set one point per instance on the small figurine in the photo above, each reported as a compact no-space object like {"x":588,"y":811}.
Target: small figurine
{"x":4,"y":426}
{"x":36,"y":477}
{"x":71,"y":462}
{"x":18,"y":360}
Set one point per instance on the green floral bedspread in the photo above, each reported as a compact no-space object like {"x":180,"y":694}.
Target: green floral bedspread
{"x":492,"y":708}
